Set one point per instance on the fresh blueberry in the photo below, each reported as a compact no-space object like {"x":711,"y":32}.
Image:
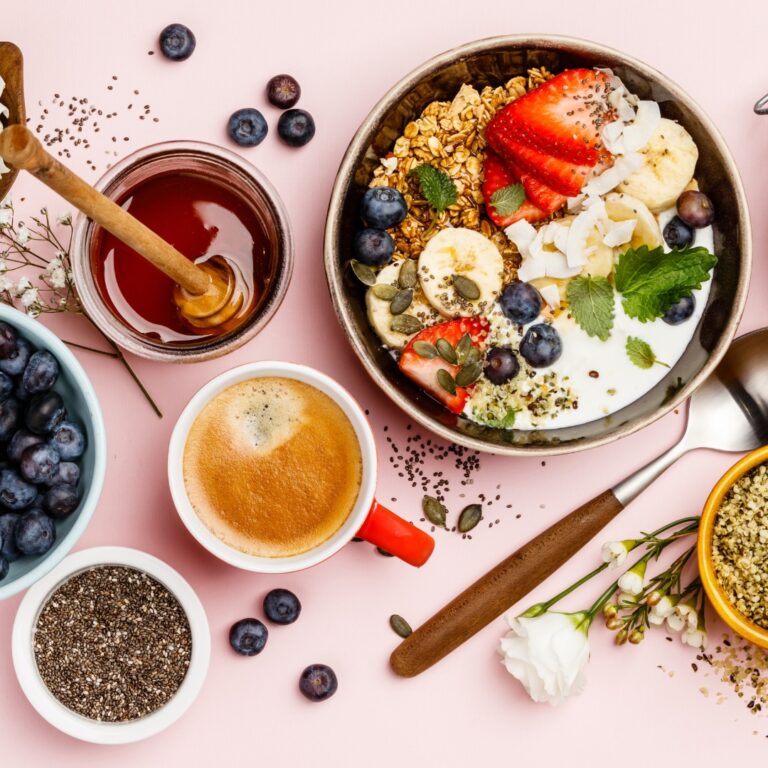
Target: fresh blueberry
{"x":695,"y":209}
{"x":60,"y":501}
{"x":6,"y":385}
{"x":39,"y":463}
{"x":67,"y":473}
{"x":520,"y":302}
{"x":19,"y":391}
{"x":44,"y":412}
{"x":35,"y":533}
{"x":7,"y":340}
{"x":4,"y":567}
{"x":373,"y":247}
{"x":9,"y":550}
{"x":501,"y":365}
{"x":296,"y":127}
{"x":68,"y":438}
{"x":41,"y":372}
{"x":541,"y":346}
{"x":383,"y":207}
{"x":177,"y":42}
{"x":247,"y":127}
{"x":18,"y":358}
{"x":318,"y":682}
{"x":281,"y":606}
{"x":680,"y":312}
{"x":10,"y":418}
{"x":20,"y":441}
{"x":283,"y":91}
{"x":15,"y":492}
{"x":677,"y":234}
{"x":248,"y":636}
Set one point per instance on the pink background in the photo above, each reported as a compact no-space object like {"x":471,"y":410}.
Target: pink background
{"x":467,"y":710}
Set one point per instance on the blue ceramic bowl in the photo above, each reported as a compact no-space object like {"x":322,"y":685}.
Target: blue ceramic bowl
{"x":80,"y":398}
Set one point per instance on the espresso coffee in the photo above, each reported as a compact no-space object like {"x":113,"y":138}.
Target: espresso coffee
{"x":272,"y":466}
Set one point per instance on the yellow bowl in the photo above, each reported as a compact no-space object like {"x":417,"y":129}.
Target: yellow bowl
{"x":716,"y":594}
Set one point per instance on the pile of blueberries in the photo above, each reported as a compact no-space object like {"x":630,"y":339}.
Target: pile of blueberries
{"x":381,"y":209}
{"x":39,"y":450}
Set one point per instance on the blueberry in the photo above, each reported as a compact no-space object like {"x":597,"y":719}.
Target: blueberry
{"x":7,"y":340}
{"x":4,"y":567}
{"x":6,"y":385}
{"x":677,"y":234}
{"x":680,"y":312}
{"x":248,"y":636}
{"x":247,"y":127}
{"x":501,"y":365}
{"x":10,"y":418}
{"x":373,"y":247}
{"x":41,"y":372}
{"x":18,"y":358}
{"x":281,"y":606}
{"x":520,"y":302}
{"x":695,"y":209}
{"x":39,"y":463}
{"x":296,"y":127}
{"x":67,"y":473}
{"x":20,"y":441}
{"x":15,"y":492}
{"x":283,"y":91}
{"x":9,"y":550}
{"x":20,"y":392}
{"x":318,"y":682}
{"x":177,"y":42}
{"x":68,"y":438}
{"x":35,"y":533}
{"x":60,"y":501}
{"x":541,"y":346}
{"x":44,"y":412}
{"x":383,"y":207}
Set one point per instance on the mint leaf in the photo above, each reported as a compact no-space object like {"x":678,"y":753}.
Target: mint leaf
{"x":651,"y":281}
{"x":641,"y":354}
{"x":507,"y":421}
{"x":437,"y":187}
{"x":508,"y":199}
{"x":591,"y":303}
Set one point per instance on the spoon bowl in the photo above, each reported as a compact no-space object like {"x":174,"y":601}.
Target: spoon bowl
{"x":11,"y":70}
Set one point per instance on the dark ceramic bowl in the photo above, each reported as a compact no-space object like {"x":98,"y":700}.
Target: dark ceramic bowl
{"x":492,"y":62}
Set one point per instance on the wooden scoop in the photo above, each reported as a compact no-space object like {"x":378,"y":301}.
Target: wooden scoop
{"x":207,"y":294}
{"x":12,"y":97}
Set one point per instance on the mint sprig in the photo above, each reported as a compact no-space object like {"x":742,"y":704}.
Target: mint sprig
{"x":592,"y":303}
{"x":508,"y":200}
{"x":436,"y":186}
{"x":641,"y":354}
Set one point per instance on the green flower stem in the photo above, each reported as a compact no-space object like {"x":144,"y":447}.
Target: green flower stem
{"x":89,"y":349}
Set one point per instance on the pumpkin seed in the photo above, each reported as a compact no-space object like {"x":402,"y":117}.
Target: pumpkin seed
{"x":363,"y":272}
{"x":463,"y":347}
{"x":383,"y":552}
{"x":465,"y":287}
{"x":384,"y":291}
{"x":401,"y":302}
{"x":434,"y":511}
{"x":407,"y":276}
{"x":407,"y":324}
{"x":473,"y":356}
{"x":445,"y":380}
{"x":400,"y":625}
{"x":469,"y":374}
{"x":446,"y":351}
{"x":470,"y":516}
{"x":424,"y":349}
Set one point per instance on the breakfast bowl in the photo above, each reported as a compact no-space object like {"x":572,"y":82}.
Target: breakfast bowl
{"x":82,"y":405}
{"x":717,"y":594}
{"x":492,"y":63}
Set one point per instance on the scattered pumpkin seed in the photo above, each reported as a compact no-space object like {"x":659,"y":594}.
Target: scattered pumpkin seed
{"x":383,"y":552}
{"x":470,"y":516}
{"x":473,"y":356}
{"x":463,"y":347}
{"x":401,"y":302}
{"x":384,"y":291}
{"x":407,"y":276}
{"x":424,"y":349}
{"x":445,"y":380}
{"x":363,"y":272}
{"x":400,"y":625}
{"x":434,"y":511}
{"x":407,"y":324}
{"x":465,"y":287}
{"x":469,"y":374}
{"x":446,"y":351}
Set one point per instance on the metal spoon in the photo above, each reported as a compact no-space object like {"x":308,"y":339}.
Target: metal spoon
{"x":728,"y":412}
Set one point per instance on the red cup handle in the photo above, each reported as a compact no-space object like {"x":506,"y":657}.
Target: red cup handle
{"x":385,"y":529}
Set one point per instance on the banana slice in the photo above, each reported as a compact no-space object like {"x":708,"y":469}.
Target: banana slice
{"x":380,"y":316}
{"x":669,"y":162}
{"x":462,"y":253}
{"x":621,"y":207}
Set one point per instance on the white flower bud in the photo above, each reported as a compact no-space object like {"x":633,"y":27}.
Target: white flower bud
{"x":696,"y":638}
{"x":614,"y":553}
{"x":632,"y":581}
{"x":22,"y":234}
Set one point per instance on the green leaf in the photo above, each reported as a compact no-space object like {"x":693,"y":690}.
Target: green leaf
{"x":508,"y":199}
{"x":591,"y":303}
{"x":437,"y":187}
{"x":641,"y":354}
{"x":507,"y":421}
{"x":651,"y":281}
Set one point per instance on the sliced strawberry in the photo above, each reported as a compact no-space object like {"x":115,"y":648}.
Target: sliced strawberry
{"x":563,"y":116}
{"x":497,"y":176}
{"x":539,"y":194}
{"x":423,"y":370}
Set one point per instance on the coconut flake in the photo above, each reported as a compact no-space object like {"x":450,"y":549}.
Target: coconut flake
{"x":576,"y":250}
{"x":620,"y":171}
{"x":522,"y":233}
{"x":638,"y":133}
{"x":556,"y":265}
{"x":612,"y":135}
{"x":532,"y":269}
{"x":619,"y":232}
{"x":551,"y":295}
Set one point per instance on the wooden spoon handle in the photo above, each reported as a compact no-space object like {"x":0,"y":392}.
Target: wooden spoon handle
{"x":503,"y":586}
{"x":21,"y":149}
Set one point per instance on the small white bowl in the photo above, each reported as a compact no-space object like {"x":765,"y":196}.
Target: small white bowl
{"x":50,"y":707}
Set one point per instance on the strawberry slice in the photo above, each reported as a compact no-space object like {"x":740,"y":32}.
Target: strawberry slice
{"x":497,"y":176}
{"x":563,"y":116}
{"x":423,"y":370}
{"x":539,"y":194}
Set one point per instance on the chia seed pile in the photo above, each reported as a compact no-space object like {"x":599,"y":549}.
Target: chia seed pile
{"x":112,"y":644}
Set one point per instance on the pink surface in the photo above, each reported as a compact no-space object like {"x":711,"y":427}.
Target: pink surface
{"x":467,"y":710}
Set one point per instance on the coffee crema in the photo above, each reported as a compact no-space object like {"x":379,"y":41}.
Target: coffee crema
{"x":272,"y":466}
